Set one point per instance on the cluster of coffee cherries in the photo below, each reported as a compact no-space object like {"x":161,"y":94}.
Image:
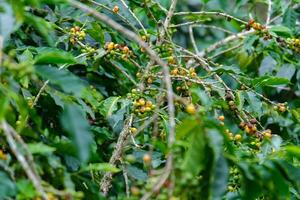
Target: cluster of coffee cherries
{"x":294,"y":44}
{"x":230,"y":101}
{"x":76,"y":33}
{"x":249,"y":127}
{"x":117,"y":49}
{"x":231,"y":136}
{"x":89,"y":50}
{"x":281,"y":107}
{"x":260,"y":28}
{"x":142,"y":106}
{"x":234,"y":181}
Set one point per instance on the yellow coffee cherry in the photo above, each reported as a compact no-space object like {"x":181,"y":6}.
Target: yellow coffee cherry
{"x":237,"y":137}
{"x":116,"y":9}
{"x":133,"y":130}
{"x":142,"y":102}
{"x":190,"y":109}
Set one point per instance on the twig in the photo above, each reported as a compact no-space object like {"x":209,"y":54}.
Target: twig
{"x":269,"y":13}
{"x":134,"y":16}
{"x":224,"y":41}
{"x":31,"y":173}
{"x":226,"y":50}
{"x":193,"y":39}
{"x":227,"y":16}
{"x":125,"y":179}
{"x":124,"y":73}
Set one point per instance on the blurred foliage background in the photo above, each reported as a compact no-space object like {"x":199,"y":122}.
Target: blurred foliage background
{"x":84,"y":111}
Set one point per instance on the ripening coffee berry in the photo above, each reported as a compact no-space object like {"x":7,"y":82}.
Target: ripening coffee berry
{"x":116,"y":9}
{"x":147,"y":159}
{"x":191,"y":109}
{"x":133,"y":130}
{"x":237,"y":137}
{"x":221,"y":118}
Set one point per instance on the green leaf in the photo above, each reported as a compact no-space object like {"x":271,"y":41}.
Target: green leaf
{"x":281,"y":31}
{"x":7,"y":20}
{"x":74,"y":122}
{"x":185,"y":128}
{"x":48,"y":55}
{"x":228,"y":70}
{"x":269,"y":81}
{"x":289,"y":18}
{"x":66,"y":80}
{"x":194,"y":160}
{"x":105,"y":167}
{"x":42,"y":26}
{"x":7,"y":186}
{"x":108,"y":106}
{"x":40,"y":148}
{"x":293,"y":151}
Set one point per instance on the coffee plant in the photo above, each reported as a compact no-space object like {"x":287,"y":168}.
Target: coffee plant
{"x":149,"y":99}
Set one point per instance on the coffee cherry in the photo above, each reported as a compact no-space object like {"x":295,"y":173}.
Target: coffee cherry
{"x":111,"y":46}
{"x":191,"y":109}
{"x":149,"y":80}
{"x":147,"y":109}
{"x":116,"y":9}
{"x":231,"y":103}
{"x":149,"y":104}
{"x":142,"y":102}
{"x":147,"y":159}
{"x":282,"y":109}
{"x":143,"y":109}
{"x":237,"y":137}
{"x":268,"y":135}
{"x":221,"y":118}
{"x":174,"y":72}
{"x":133,"y":130}
{"x":2,"y":155}
{"x":135,"y":191}
{"x":125,"y":49}
{"x":193,"y":74}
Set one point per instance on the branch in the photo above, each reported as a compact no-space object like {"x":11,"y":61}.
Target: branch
{"x":227,"y":16}
{"x":105,"y":182}
{"x":269,"y":13}
{"x":31,"y":173}
{"x":134,"y":16}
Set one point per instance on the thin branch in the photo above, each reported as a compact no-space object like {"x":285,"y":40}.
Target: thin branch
{"x":134,"y":16}
{"x":269,"y":13}
{"x":105,"y":183}
{"x":124,"y":73}
{"x":226,"y":50}
{"x":227,"y":16}
{"x":193,"y":39}
{"x":125,"y":179}
{"x":31,"y":173}
{"x":224,"y":41}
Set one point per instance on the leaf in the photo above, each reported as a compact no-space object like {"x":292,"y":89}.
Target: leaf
{"x":293,"y":151}
{"x":40,"y":148}
{"x":108,"y":106}
{"x":269,"y":81}
{"x":289,"y":18}
{"x":7,"y":20}
{"x":136,"y":173}
{"x":48,"y":55}
{"x":281,"y":31}
{"x":42,"y":26}
{"x":66,"y":80}
{"x":7,"y":186}
{"x":74,"y":122}
{"x":228,"y":70}
{"x":185,"y":128}
{"x":105,"y":167}
{"x":194,"y":160}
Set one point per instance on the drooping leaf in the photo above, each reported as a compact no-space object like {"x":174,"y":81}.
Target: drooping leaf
{"x":75,"y":123}
{"x":48,"y":55}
